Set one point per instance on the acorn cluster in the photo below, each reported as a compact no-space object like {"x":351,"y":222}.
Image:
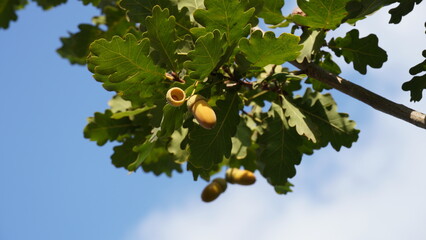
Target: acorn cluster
{"x":206,"y":117}
{"x":197,"y":104}
{"x":219,"y":185}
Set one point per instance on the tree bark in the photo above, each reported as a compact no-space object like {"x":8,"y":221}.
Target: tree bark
{"x":376,"y":101}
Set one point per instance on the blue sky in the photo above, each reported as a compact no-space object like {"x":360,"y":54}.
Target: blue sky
{"x":54,"y":184}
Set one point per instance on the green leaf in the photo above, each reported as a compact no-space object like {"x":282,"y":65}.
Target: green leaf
{"x":175,"y":145}
{"x":241,"y":141}
{"x":160,"y":161}
{"x":248,"y":162}
{"x":266,"y":49}
{"x":359,"y":9}
{"x":416,"y":86}
{"x":278,"y":152}
{"x":102,"y":128}
{"x":304,"y":126}
{"x":172,"y":119}
{"x":123,"y":154}
{"x":201,"y":172}
{"x":123,"y":65}
{"x":131,"y":113}
{"x":417,"y":83}
{"x":284,"y":189}
{"x":334,"y":127}
{"x":93,"y":2}
{"x":271,"y":11}
{"x":46,"y":4}
{"x":325,"y":14}
{"x":404,"y":8}
{"x":143,"y":150}
{"x":227,"y":16}
{"x":312,"y":41}
{"x":191,"y":5}
{"x":162,"y":35}
{"x":362,"y":52}
{"x":208,"y":147}
{"x":76,"y":47}
{"x":118,"y":104}
{"x":421,"y":67}
{"x":8,"y":11}
{"x":206,"y":55}
{"x":138,"y":10}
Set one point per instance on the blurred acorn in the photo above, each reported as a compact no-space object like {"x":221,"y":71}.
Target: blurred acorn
{"x":240,"y":176}
{"x":213,"y":189}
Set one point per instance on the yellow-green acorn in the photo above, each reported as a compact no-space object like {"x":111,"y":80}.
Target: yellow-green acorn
{"x":175,"y":96}
{"x":213,"y":189}
{"x":240,"y":176}
{"x":202,"y":111}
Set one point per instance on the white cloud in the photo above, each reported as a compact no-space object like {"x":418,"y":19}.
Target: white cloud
{"x":375,"y":190}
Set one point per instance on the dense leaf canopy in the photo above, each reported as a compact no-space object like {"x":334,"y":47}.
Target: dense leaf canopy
{"x":267,"y":116}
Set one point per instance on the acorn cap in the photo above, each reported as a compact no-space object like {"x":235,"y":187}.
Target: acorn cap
{"x":175,"y":96}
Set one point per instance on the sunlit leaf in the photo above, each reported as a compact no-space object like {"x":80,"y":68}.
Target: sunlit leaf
{"x":123,"y":65}
{"x":334,"y":127}
{"x":227,"y":16}
{"x":312,"y":41}
{"x":325,"y":14}
{"x":304,"y":125}
{"x":271,"y":11}
{"x":161,"y":33}
{"x":266,"y":49}
{"x":207,"y":53}
{"x":131,"y":113}
{"x":284,"y":189}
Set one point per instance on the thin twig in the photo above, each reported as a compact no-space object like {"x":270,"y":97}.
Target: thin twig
{"x":364,"y":95}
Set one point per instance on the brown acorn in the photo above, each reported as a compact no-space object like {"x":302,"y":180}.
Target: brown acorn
{"x":240,"y":176}
{"x":213,"y":190}
{"x":202,"y":111}
{"x":175,"y":96}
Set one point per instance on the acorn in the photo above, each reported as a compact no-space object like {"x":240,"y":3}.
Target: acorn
{"x":175,"y":96}
{"x":240,"y":176}
{"x":213,"y":189}
{"x":202,"y":111}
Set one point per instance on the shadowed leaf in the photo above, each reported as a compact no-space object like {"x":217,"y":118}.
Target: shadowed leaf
{"x":102,"y":128}
{"x":208,"y":147}
{"x":362,"y":52}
